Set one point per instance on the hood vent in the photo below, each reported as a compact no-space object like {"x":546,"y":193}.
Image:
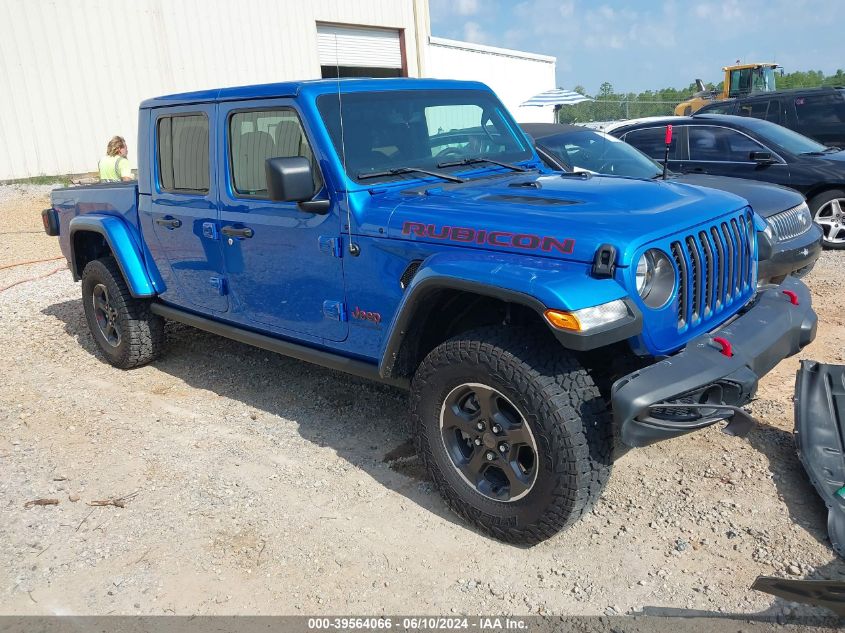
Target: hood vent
{"x":536,"y":201}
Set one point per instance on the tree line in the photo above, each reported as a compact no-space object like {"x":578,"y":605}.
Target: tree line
{"x":610,"y":105}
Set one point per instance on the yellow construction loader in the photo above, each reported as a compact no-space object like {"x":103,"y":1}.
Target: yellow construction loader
{"x":740,"y":80}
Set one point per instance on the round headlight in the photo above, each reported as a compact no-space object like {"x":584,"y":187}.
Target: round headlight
{"x":645,"y":271}
{"x":655,"y":278}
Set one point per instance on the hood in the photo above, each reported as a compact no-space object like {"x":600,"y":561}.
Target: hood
{"x":554,"y":216}
{"x":766,"y":199}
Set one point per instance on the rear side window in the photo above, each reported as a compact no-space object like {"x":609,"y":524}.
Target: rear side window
{"x":727,"y":108}
{"x":652,"y":142}
{"x":257,"y":135}
{"x":719,"y":144}
{"x":820,"y":109}
{"x":183,"y":165}
{"x":768,"y":109}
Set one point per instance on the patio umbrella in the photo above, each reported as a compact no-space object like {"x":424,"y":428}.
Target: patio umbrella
{"x":556,"y":97}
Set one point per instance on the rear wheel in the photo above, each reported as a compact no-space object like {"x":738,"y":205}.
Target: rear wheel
{"x":828,"y":210}
{"x":127,"y":333}
{"x":513,"y":432}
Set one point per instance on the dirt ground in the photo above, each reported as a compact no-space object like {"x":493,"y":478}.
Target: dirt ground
{"x":254,"y":483}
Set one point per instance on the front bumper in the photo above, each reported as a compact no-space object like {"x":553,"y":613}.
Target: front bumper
{"x":789,"y":257}
{"x":702,"y":384}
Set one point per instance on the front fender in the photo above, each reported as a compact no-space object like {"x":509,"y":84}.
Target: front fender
{"x":124,"y":246}
{"x":536,"y":282}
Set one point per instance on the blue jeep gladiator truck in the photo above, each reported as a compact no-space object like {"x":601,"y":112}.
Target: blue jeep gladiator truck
{"x":405,"y":230}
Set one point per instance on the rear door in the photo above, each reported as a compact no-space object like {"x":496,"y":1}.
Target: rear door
{"x":722,"y":151}
{"x":651,"y":141}
{"x":179,"y":217}
{"x":283,"y":264}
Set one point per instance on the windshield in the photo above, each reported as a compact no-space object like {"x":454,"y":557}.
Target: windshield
{"x":600,"y":153}
{"x":787,"y":139}
{"x":392,"y":130}
{"x":764,"y":80}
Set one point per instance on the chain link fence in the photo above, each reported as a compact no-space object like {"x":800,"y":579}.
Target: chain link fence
{"x":605,"y":110}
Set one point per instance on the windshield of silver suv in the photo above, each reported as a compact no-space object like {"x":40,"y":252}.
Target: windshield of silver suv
{"x":389,"y":135}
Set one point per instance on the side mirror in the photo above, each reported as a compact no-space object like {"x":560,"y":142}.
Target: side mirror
{"x":289,"y":179}
{"x":761,"y":158}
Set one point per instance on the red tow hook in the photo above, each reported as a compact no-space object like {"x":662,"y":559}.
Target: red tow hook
{"x":725,"y":344}
{"x":793,"y":298}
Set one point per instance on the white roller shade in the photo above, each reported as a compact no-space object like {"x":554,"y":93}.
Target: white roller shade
{"x":351,"y":46}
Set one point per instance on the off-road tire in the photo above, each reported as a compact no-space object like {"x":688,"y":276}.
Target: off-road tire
{"x":816,"y":203}
{"x":141,"y":331}
{"x":557,"y":399}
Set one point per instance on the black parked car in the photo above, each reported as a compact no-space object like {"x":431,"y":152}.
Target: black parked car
{"x":785,"y":247}
{"x":815,"y":112}
{"x":745,"y":147}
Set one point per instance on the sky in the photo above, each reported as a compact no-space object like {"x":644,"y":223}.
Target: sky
{"x":651,"y":44}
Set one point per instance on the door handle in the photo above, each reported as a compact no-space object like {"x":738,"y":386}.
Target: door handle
{"x":231,"y":231}
{"x":169,"y":223}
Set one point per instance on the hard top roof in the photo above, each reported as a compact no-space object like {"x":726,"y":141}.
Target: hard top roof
{"x":314,"y":86}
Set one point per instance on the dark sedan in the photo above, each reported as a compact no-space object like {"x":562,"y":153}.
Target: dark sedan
{"x":745,"y":147}
{"x":790,"y":245}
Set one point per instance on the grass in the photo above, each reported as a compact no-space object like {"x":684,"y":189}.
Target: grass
{"x":40,"y":180}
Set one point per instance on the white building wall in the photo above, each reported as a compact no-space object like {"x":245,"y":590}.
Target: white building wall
{"x":514,"y":76}
{"x":72,"y":73}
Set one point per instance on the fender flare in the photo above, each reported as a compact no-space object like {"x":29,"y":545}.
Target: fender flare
{"x":448,"y":273}
{"x":123,"y":245}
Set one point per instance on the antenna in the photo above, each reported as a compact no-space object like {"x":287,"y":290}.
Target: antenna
{"x":354,"y":249}
{"x":666,"y":155}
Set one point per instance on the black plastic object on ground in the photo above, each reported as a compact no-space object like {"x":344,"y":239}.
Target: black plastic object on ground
{"x":820,"y":436}
{"x":821,"y":593}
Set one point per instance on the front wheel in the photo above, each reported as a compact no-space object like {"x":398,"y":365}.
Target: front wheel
{"x":513,"y":432}
{"x":127,"y":333}
{"x":828,"y":209}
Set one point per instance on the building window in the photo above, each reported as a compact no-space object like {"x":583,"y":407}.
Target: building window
{"x":183,"y":153}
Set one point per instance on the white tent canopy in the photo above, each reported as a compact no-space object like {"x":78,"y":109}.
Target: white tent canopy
{"x":558,"y":96}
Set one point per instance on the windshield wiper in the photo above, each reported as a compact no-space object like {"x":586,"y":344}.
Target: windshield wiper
{"x":408,"y":170}
{"x":479,"y":159}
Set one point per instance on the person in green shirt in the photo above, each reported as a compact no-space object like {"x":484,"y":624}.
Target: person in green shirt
{"x":114,"y":166}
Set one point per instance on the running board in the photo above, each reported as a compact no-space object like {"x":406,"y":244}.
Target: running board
{"x":279,"y":346}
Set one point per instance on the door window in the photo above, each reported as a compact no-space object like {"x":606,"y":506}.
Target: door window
{"x":652,"y":142}
{"x":710,"y":143}
{"x":768,"y":109}
{"x":820,"y":109}
{"x":773,"y":112}
{"x":183,"y":165}
{"x":257,"y":135}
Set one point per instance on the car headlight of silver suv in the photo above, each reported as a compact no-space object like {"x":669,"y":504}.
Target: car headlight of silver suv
{"x":655,"y":278}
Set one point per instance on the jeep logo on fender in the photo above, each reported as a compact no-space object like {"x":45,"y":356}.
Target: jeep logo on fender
{"x":493,"y":238}
{"x":363,"y":315}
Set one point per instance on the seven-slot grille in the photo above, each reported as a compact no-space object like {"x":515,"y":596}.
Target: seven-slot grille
{"x":790,"y":223}
{"x":715,"y":269}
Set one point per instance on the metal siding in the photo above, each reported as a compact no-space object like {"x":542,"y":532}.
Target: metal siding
{"x":73,"y":73}
{"x":513,"y":76}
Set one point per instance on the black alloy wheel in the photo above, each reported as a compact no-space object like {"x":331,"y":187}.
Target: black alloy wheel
{"x":488,"y":442}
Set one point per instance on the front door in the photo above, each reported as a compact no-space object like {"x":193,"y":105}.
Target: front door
{"x":722,"y":151}
{"x":179,"y":217}
{"x":283,"y":264}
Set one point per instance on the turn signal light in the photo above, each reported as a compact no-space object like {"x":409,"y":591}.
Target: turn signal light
{"x":563,"y":320}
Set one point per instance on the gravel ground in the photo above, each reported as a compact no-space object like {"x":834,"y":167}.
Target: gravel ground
{"x":254,"y":483}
